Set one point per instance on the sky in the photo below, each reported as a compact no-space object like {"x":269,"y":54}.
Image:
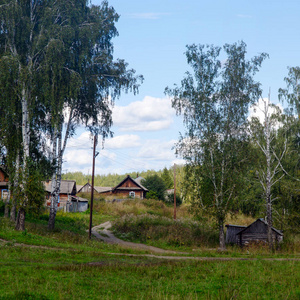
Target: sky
{"x":152,"y":38}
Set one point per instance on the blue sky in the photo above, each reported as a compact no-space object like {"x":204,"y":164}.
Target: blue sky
{"x":152,"y":38}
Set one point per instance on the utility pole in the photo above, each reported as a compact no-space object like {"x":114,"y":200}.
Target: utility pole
{"x":92,"y":191}
{"x":174,"y":191}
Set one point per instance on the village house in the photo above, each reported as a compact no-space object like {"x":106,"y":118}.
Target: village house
{"x":127,"y":188}
{"x":3,"y":184}
{"x":67,"y":190}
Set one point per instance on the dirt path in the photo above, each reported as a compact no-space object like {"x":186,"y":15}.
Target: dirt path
{"x":102,"y":232}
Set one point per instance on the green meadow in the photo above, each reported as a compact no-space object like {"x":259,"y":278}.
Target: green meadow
{"x":65,"y":264}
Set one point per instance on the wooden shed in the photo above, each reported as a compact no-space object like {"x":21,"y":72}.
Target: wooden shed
{"x":232,"y":230}
{"x":78,"y":204}
{"x":258,"y":231}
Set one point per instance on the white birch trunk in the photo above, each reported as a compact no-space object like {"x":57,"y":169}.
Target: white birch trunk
{"x":58,"y":152}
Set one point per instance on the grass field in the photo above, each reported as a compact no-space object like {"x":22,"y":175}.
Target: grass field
{"x":65,"y":264}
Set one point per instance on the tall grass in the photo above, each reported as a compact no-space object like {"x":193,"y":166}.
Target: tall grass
{"x":152,"y":228}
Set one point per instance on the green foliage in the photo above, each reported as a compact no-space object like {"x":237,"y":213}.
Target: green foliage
{"x":155,"y":184}
{"x":165,"y":175}
{"x":170,"y":199}
{"x":214,"y":101}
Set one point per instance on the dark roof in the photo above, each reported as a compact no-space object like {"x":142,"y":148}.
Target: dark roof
{"x":66,"y":186}
{"x":239,"y":226}
{"x":264,"y":222}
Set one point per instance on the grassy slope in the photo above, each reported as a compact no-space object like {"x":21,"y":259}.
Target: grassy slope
{"x":69,"y":266}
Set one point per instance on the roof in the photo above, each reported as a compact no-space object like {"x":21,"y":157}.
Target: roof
{"x":66,"y":186}
{"x":98,"y":189}
{"x":119,"y":187}
{"x":264,"y":222}
{"x":79,"y":199}
{"x":79,"y":187}
{"x":237,"y":226}
{"x":102,"y":189}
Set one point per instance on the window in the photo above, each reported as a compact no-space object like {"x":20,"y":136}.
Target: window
{"x":4,"y":194}
{"x":132,"y":194}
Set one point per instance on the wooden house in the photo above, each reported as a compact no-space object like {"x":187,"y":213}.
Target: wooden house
{"x":3,"y":184}
{"x":232,"y":230}
{"x":67,"y":189}
{"x":88,"y":187}
{"x":127,"y":188}
{"x":258,"y":231}
{"x":130,"y":188}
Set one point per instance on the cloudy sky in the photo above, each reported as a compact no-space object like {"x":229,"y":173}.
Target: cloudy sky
{"x":152,"y":38}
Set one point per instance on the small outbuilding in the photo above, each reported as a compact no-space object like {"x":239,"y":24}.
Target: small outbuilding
{"x":78,"y":204}
{"x":258,"y":231}
{"x":232,"y":230}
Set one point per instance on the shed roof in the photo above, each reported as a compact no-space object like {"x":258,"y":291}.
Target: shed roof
{"x":265,"y":223}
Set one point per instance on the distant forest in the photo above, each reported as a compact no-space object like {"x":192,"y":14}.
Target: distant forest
{"x":111,"y":180}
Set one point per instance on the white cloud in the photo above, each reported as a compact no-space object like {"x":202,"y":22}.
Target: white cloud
{"x":78,"y":157}
{"x":257,"y":110}
{"x":157,"y":150}
{"x":150,"y":114}
{"x":123,"y":141}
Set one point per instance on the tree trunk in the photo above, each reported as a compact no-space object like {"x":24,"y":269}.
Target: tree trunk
{"x":268,"y":176}
{"x":13,"y":212}
{"x":21,"y":219}
{"x":6,"y":209}
{"x":15,"y":184}
{"x":53,"y":198}
{"x":221,"y":236}
{"x":56,"y":178}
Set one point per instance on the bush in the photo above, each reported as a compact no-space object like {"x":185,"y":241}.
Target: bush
{"x":170,"y":199}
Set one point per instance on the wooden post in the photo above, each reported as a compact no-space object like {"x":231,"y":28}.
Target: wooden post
{"x":174,"y":191}
{"x":92,"y":191}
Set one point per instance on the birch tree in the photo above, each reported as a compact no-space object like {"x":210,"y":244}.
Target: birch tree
{"x":271,"y":170}
{"x":214,"y":102}
{"x":85,"y":81}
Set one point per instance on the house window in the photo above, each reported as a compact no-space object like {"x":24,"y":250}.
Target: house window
{"x":132,"y":194}
{"x":4,"y":194}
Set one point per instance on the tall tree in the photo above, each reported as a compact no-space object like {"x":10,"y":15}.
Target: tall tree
{"x":271,"y":170}
{"x":292,"y":93}
{"x":166,"y":177}
{"x":84,"y":81}
{"x":214,"y":102}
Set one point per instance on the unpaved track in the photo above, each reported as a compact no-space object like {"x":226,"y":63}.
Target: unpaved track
{"x":102,"y":232}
